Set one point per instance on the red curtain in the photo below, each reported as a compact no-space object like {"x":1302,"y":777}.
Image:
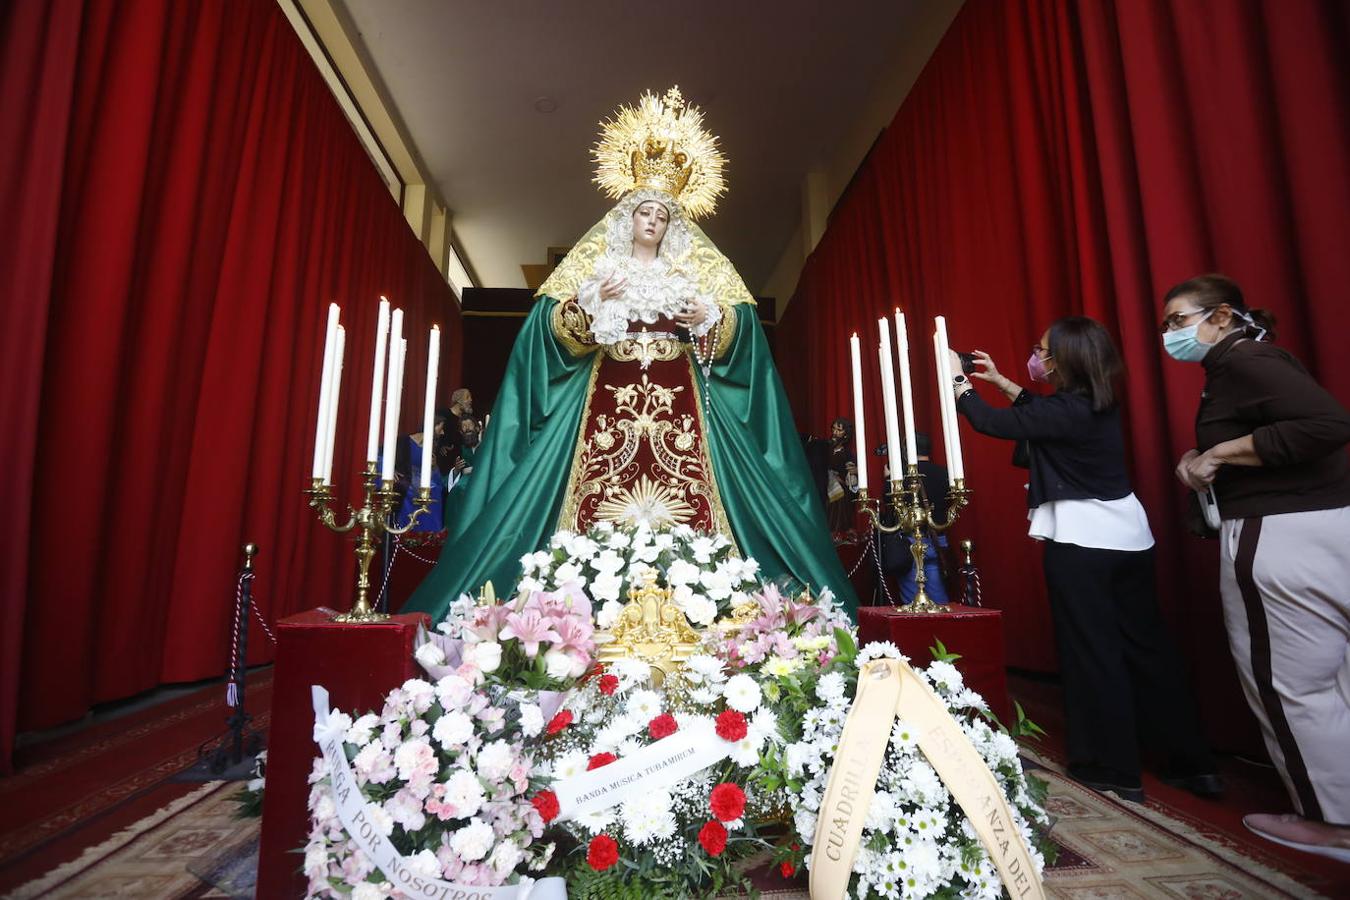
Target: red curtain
{"x":188,"y":199}
{"x":1065,"y":157}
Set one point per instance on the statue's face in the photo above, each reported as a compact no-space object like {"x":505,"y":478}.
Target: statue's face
{"x":650,"y":221}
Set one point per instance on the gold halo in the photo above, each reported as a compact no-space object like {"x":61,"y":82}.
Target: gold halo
{"x":661,"y":144}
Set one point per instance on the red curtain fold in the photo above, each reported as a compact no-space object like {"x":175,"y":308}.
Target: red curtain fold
{"x":191,"y":198}
{"x":1065,"y":157}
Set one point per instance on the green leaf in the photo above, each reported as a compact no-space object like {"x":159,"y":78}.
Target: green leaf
{"x":940,"y":652}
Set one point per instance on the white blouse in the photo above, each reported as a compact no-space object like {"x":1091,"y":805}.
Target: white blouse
{"x":654,"y":290}
{"x":1100,"y":524}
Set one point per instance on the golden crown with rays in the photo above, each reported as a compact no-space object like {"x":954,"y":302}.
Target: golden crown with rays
{"x":661,"y":144}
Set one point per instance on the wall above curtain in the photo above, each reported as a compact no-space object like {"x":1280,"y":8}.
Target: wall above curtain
{"x":1063,"y":157}
{"x":189,"y":200}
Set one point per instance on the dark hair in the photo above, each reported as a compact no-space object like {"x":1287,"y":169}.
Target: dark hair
{"x":848,"y":426}
{"x":1086,"y":360}
{"x":1214,"y":290}
{"x":923,"y":444}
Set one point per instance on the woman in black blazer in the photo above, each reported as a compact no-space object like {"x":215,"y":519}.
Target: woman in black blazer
{"x":1120,"y":670}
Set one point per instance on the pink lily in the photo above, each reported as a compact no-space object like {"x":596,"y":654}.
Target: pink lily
{"x":530,"y":628}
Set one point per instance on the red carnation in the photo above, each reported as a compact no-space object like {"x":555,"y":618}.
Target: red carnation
{"x":663,"y":725}
{"x":788,"y":869}
{"x":731,"y":725}
{"x":609,"y":684}
{"x":546,"y":802}
{"x":603,"y":852}
{"x":600,"y":759}
{"x":727,"y":801}
{"x":559,"y":722}
{"x":713,"y":838}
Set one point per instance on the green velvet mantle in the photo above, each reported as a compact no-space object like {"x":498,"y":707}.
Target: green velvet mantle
{"x":520,"y":473}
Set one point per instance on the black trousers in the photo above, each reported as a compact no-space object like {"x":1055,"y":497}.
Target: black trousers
{"x":1123,"y":680}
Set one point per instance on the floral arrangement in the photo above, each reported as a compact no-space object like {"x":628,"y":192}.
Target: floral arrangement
{"x":707,"y":575}
{"x":916,"y":841}
{"x":448,"y":766}
{"x":682,"y":839}
{"x":463,"y":771}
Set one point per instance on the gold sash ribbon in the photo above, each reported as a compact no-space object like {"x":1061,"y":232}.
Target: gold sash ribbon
{"x":888,"y":688}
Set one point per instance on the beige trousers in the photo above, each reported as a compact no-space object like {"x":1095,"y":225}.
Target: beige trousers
{"x":1285,"y":582}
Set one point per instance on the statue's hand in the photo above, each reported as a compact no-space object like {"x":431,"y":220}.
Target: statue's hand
{"x":691,"y":314}
{"x":612,"y":287}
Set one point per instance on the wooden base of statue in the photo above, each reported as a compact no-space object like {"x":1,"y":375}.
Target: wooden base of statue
{"x":358,"y":664}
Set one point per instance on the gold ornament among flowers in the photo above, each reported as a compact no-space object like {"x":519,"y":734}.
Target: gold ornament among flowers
{"x":652,"y":628}
{"x":661,"y":145}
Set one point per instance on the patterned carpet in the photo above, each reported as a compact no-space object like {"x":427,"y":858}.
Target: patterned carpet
{"x":1109,"y":850}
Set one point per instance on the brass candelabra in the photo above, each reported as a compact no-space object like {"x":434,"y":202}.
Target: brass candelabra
{"x":373,"y":518}
{"x":913,"y":511}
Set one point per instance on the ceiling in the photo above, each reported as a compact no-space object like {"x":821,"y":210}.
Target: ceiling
{"x":778,"y":83}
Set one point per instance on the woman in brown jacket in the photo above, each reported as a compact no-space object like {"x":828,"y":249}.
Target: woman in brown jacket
{"x":1270,"y":453}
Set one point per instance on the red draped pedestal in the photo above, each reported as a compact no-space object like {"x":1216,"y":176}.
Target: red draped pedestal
{"x":358,"y":664}
{"x":975,"y":633}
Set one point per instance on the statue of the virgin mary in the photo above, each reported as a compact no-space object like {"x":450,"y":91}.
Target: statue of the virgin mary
{"x":641,"y":388}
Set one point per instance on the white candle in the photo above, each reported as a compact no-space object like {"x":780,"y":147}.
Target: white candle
{"x":334,"y":393}
{"x":906,"y":387}
{"x":377,"y":382}
{"x":940,"y":358}
{"x":393,"y":395}
{"x":429,"y":408}
{"x":325,"y":387}
{"x":893,"y":458}
{"x":958,"y":466}
{"x":860,"y":425}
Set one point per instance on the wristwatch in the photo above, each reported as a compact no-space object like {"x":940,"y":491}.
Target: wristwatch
{"x":958,"y":380}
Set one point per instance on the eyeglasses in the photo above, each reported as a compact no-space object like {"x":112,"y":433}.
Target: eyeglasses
{"x":1175,"y":320}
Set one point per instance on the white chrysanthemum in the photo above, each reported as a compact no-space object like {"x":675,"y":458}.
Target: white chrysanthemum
{"x":647,"y":817}
{"x":704,"y":667}
{"x":644,"y":705}
{"x":904,"y":737}
{"x":880,"y":650}
{"x":764,"y":723}
{"x":630,"y":672}
{"x":745,"y":752}
{"x":742,"y":693}
{"x":473,"y":841}
{"x":597,"y":821}
{"x":618,"y":541}
{"x":570,"y":764}
{"x":945,"y":676}
{"x":831,"y":687}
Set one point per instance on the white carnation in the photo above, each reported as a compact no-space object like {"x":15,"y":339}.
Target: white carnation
{"x":452,"y":729}
{"x":473,"y":841}
{"x":495,"y":761}
{"x":531,"y":720}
